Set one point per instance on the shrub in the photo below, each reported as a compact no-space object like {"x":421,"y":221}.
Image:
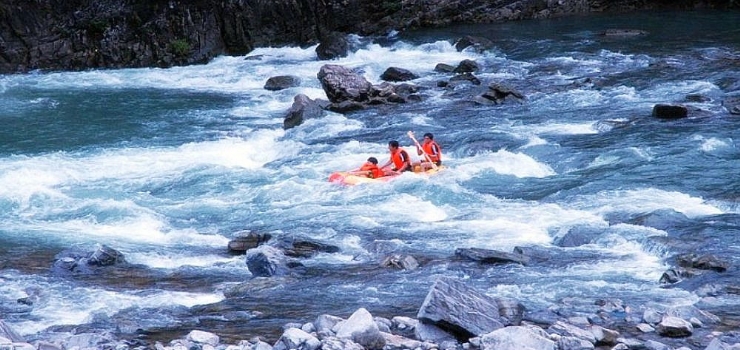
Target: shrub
{"x":180,"y":47}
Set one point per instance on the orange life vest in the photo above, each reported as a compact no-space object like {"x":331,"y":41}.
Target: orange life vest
{"x":433,"y":150}
{"x":373,"y":171}
{"x":399,"y":158}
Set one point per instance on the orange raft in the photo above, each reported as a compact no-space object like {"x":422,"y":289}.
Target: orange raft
{"x":351,"y":178}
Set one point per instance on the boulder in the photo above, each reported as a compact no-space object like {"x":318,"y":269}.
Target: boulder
{"x":479,"y":44}
{"x":489,"y":256}
{"x":281,"y":82}
{"x":399,"y":261}
{"x":300,"y":248}
{"x":296,"y":339}
{"x":517,"y":338}
{"x":331,"y":46}
{"x":460,"y":310}
{"x":578,"y":236}
{"x":674,"y":327}
{"x":664,"y":111}
{"x":498,"y":93}
{"x":247,"y":240}
{"x":444,"y":68}
{"x":87,"y":259}
{"x":467,"y":66}
{"x":361,"y":329}
{"x":342,"y":84}
{"x":267,"y":261}
{"x":303,"y":108}
{"x":398,"y":74}
{"x":703,"y":262}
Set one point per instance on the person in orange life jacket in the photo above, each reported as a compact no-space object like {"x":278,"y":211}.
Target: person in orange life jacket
{"x":432,"y":149}
{"x":399,"y":159}
{"x":370,"y":169}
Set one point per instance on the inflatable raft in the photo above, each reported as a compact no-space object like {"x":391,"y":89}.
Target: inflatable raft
{"x":350,"y":178}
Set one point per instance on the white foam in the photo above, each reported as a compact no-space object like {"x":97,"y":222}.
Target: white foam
{"x":644,"y":201}
{"x":503,"y":162}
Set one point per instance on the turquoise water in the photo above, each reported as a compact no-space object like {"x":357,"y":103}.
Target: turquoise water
{"x":167,"y":165}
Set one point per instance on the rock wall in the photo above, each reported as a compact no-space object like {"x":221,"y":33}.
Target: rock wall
{"x":83,"y":34}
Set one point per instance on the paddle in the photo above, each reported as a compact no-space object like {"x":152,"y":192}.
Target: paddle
{"x":428,"y":158}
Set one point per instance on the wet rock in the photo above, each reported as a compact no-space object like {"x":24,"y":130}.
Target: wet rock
{"x":247,"y":240}
{"x":703,"y":262}
{"x":623,"y":32}
{"x":479,"y":44}
{"x":342,"y":84}
{"x":303,"y":108}
{"x":267,"y":261}
{"x":604,"y":336}
{"x":489,"y":256}
{"x":398,"y":74}
{"x":662,"y":219}
{"x":281,"y":82}
{"x":399,"y":261}
{"x":462,"y":78}
{"x":664,"y":111}
{"x":404,"y":326}
{"x":305,"y":249}
{"x":444,"y":68}
{"x":331,"y":46}
{"x":87,"y":259}
{"x":498,"y":93}
{"x":467,"y":66}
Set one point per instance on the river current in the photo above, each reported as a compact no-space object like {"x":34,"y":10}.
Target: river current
{"x":167,"y":165}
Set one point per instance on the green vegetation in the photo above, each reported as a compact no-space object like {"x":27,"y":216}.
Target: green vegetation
{"x":180,"y":47}
{"x":97,"y":26}
{"x":390,"y":6}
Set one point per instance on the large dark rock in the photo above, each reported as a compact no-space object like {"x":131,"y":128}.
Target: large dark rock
{"x":479,"y":44}
{"x":267,"y":261}
{"x":87,"y":259}
{"x":398,"y":74}
{"x":489,"y":256}
{"x":247,"y":240}
{"x":303,"y":108}
{"x":332,"y":46}
{"x":664,"y":111}
{"x":342,"y":84}
{"x":281,"y":82}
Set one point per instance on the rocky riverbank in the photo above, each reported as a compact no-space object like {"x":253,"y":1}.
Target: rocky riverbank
{"x":78,"y":35}
{"x":453,"y":317}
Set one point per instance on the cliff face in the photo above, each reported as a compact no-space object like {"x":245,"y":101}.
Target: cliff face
{"x":82,"y":34}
